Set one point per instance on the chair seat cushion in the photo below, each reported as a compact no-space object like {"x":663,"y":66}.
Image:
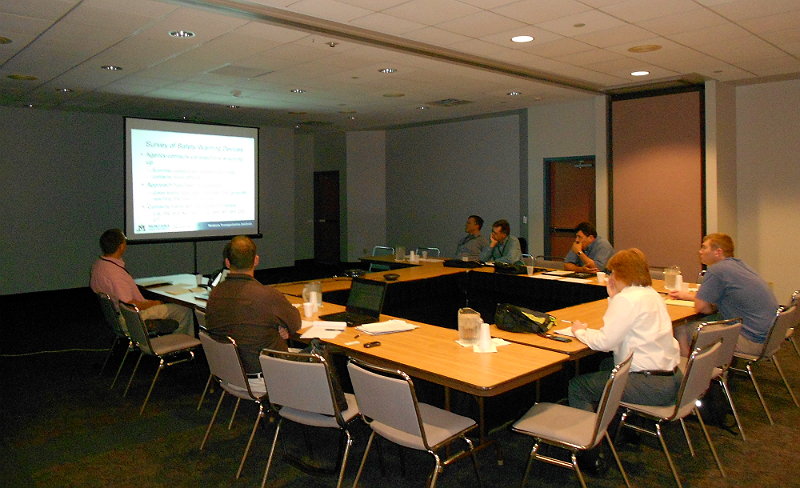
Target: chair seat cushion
{"x":173,"y":342}
{"x":551,"y":421}
{"x":239,"y":392}
{"x":440,"y":425}
{"x":319,"y":420}
{"x":666,"y":412}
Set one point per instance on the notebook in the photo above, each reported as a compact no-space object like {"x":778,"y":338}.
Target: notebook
{"x":364,"y":304}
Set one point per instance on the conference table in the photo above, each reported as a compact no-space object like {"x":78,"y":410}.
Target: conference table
{"x":430,"y":352}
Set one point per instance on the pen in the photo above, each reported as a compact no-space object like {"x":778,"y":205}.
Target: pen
{"x":566,"y":321}
{"x":356,"y":337}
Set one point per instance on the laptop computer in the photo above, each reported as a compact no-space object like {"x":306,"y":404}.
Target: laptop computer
{"x":364,"y":304}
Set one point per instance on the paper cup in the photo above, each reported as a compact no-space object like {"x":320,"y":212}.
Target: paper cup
{"x":601,"y":277}
{"x":308,"y":309}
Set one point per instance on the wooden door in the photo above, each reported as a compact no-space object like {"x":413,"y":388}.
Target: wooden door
{"x":326,"y":217}
{"x":570,"y":200}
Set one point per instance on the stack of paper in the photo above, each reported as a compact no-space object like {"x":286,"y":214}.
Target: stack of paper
{"x":388,"y":327}
{"x":323,"y":330}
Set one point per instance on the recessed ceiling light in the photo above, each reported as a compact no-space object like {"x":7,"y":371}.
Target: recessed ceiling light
{"x":181,"y":34}
{"x":233,"y":106}
{"x":423,"y":107}
{"x":388,"y":70}
{"x":718,"y":71}
{"x":579,"y":25}
{"x":514,"y":93}
{"x":640,"y":73}
{"x":394,"y":95}
{"x":29,"y":105}
{"x":298,"y":90}
{"x":646,"y":48}
{"x":5,"y":40}
{"x":345,"y":112}
{"x":22,"y":77}
{"x":537,"y":99}
{"x":351,"y":118}
{"x":296,"y":113}
{"x":332,"y":44}
{"x":521,"y":39}
{"x":111,"y":67}
{"x":63,"y":90}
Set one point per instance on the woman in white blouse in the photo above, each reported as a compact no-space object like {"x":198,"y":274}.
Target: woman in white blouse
{"x":636,"y":321}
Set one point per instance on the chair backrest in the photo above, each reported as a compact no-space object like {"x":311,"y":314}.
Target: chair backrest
{"x":432,"y":251}
{"x":301,"y":381}
{"x":110,"y":314}
{"x":708,"y":333}
{"x":612,"y":395}
{"x":548,"y":262}
{"x":697,"y":377}
{"x":224,"y":361}
{"x":388,"y":397}
{"x":382,"y":251}
{"x":136,"y":327}
{"x":785,"y":319}
{"x":200,"y":316}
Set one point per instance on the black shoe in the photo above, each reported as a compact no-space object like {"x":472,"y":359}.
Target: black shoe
{"x":629,"y":436}
{"x":591,"y":463}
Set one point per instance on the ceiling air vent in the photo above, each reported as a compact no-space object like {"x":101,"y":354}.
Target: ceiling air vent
{"x":449,"y":102}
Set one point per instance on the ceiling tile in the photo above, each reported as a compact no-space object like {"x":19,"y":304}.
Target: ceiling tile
{"x":386,"y":24}
{"x":615,"y":36}
{"x":538,"y":11}
{"x":480,"y":24}
{"x":431,"y":12}
{"x":751,"y":9}
{"x":683,"y":22}
{"x":592,"y":21}
{"x":639,"y":10}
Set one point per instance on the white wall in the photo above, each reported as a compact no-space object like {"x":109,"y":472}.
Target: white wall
{"x":438,"y":175}
{"x":62,"y":185}
{"x":366,"y":193}
{"x":768,"y":181}
{"x":555,"y":131}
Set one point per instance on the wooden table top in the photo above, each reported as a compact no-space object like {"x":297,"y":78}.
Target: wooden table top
{"x":592,"y":314}
{"x":328,"y":284}
{"x":427,"y":269}
{"x":431,"y":353}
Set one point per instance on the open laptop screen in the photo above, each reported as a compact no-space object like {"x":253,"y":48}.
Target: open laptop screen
{"x":366,"y":296}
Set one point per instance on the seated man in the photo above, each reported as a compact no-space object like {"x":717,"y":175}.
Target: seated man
{"x":471,"y":245}
{"x":589,"y":253}
{"x":254,"y":315}
{"x":734,"y":289}
{"x":503,"y":248}
{"x":110,"y":276}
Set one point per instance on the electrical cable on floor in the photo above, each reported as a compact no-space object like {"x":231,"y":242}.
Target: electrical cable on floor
{"x":50,"y":352}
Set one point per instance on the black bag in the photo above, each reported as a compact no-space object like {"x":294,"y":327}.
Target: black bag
{"x":505,"y":268}
{"x":512,"y":318}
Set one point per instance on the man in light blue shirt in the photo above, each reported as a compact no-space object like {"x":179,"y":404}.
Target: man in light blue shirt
{"x":589,"y":253}
{"x":504,"y":248}
{"x":471,"y":245}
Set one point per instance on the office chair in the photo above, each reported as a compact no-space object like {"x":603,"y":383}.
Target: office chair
{"x":381,"y":251}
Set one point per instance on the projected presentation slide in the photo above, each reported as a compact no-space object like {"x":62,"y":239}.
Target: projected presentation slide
{"x":190,"y":181}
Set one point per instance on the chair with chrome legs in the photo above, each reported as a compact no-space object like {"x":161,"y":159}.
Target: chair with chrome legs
{"x":226,"y":366}
{"x":574,"y":429}
{"x":790,"y":333}
{"x":111,"y":318}
{"x":708,"y":333}
{"x":302,"y":389}
{"x":389,"y":405}
{"x":699,"y":371}
{"x":170,"y":349}
{"x":785,"y":319}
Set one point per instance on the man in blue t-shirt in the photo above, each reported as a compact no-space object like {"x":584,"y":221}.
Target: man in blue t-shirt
{"x":731,"y":288}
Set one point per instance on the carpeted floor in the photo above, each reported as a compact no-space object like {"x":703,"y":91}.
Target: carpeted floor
{"x":61,"y":426}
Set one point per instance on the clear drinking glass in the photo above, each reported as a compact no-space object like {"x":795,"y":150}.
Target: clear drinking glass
{"x":469,"y":326}
{"x":670,"y":277}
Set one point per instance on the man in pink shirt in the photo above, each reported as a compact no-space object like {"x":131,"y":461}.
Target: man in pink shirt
{"x":110,"y":276}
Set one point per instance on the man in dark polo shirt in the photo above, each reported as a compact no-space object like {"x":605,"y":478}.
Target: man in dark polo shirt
{"x":254,"y":315}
